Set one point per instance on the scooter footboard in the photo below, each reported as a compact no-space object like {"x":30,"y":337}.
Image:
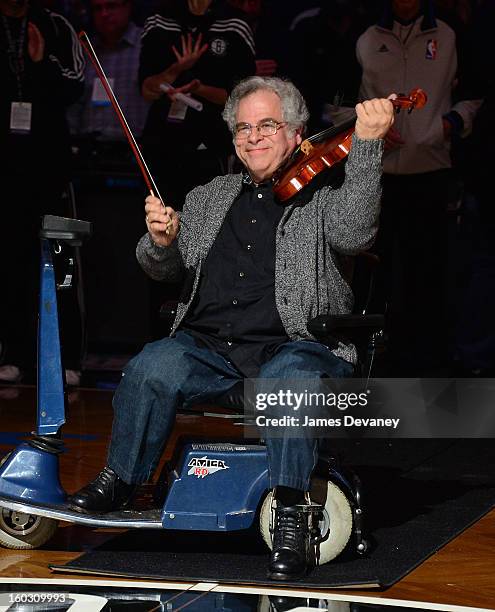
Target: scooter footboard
{"x":216,"y":487}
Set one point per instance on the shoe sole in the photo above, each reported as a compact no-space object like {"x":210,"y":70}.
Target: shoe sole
{"x":286,"y":577}
{"x":83,"y":510}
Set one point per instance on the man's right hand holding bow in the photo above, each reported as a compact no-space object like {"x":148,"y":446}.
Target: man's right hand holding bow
{"x":162,"y":222}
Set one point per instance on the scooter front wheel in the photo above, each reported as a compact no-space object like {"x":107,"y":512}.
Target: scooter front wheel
{"x":21,"y":531}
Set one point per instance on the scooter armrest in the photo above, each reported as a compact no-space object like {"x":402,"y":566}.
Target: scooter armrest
{"x":71,"y":231}
{"x":355,"y":328}
{"x":324,"y":324}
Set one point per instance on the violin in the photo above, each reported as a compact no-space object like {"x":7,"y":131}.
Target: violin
{"x":328,"y":148}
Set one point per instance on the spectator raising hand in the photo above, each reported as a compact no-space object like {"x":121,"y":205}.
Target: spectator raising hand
{"x":191,"y":51}
{"x":201,"y":49}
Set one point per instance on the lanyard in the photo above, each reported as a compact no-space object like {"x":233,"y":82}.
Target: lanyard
{"x":16,"y":52}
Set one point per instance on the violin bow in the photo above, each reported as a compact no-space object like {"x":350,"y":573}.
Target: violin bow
{"x":148,"y":179}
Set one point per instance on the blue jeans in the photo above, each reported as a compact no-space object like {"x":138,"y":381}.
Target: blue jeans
{"x":174,"y":371}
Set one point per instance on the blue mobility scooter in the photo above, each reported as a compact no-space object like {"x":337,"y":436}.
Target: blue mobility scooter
{"x":211,"y":486}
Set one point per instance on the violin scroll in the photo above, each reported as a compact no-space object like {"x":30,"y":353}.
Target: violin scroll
{"x":417,"y":98}
{"x":326,"y":149}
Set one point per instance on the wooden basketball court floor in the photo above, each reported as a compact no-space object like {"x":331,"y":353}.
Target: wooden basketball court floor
{"x":461,"y":573}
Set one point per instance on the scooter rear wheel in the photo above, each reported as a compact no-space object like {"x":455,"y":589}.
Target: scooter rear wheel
{"x":335,"y":524}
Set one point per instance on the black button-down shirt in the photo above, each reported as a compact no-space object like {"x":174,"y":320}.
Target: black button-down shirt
{"x":234,"y":312}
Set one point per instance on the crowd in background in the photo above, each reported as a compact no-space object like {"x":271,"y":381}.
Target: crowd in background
{"x":436,"y":235}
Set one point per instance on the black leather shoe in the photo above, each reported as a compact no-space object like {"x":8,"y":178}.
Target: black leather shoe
{"x":290,"y":551}
{"x":105,"y":493}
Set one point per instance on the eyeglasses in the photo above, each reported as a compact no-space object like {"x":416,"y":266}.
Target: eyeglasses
{"x":267,"y":127}
{"x":108,"y":6}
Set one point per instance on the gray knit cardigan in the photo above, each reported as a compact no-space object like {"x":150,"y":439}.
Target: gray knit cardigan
{"x":309,"y":239}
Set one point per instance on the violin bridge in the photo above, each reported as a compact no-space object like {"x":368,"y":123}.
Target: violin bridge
{"x":306,"y":147}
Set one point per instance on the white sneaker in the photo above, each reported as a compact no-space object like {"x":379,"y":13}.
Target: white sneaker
{"x":73,"y":378}
{"x":10,"y":374}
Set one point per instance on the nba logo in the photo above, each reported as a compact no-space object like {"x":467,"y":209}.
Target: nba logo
{"x":431,"y":49}
{"x":218,"y":46}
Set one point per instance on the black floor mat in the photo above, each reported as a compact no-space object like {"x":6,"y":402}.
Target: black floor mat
{"x":420,"y":494}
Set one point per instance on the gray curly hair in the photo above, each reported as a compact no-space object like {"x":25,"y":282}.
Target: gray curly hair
{"x":294,"y":109}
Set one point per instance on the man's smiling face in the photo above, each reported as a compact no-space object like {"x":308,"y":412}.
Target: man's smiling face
{"x":263,"y":155}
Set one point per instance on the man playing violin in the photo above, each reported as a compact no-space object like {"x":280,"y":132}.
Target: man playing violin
{"x":255,"y":272}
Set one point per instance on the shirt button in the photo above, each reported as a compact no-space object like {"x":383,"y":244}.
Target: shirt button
{"x":253,"y":220}
{"x":234,"y":302}
{"x":260,"y":196}
{"x":241,"y":274}
{"x":229,"y":343}
{"x":249,"y":247}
